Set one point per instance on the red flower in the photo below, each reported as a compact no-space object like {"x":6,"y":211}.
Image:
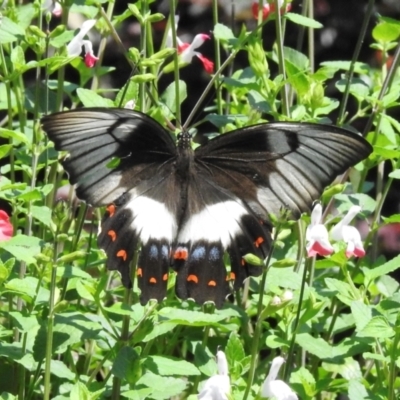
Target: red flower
{"x":6,"y":228}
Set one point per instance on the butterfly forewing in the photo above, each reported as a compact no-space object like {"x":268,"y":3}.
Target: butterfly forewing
{"x":281,"y":165}
{"x":95,"y":138}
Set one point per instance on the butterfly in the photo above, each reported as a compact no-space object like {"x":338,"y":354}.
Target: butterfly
{"x":189,"y":209}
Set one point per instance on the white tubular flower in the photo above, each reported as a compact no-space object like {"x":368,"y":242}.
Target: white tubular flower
{"x":187,"y":51}
{"x":317,"y":235}
{"x":218,"y":386}
{"x":74,"y":47}
{"x":273,"y":388}
{"x":349,"y":234}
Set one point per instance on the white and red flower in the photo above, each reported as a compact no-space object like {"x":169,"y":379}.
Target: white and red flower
{"x":269,"y":8}
{"x":349,"y":234}
{"x":317,"y":236}
{"x":187,"y":51}
{"x":74,"y":48}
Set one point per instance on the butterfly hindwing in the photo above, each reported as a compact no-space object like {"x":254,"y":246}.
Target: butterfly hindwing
{"x":215,"y":222}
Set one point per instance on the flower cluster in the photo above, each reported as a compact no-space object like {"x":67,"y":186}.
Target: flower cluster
{"x":218,"y":387}
{"x":317,"y":236}
{"x":269,"y":8}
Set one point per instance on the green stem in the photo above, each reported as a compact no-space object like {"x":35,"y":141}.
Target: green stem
{"x":281,"y":59}
{"x":356,"y":54}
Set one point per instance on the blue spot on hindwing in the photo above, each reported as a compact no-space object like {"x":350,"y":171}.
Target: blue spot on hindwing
{"x":214,"y":254}
{"x":153,"y":251}
{"x":198,"y":253}
{"x":164,"y":251}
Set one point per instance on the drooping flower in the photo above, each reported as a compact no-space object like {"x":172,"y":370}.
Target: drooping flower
{"x":218,"y":386}
{"x":74,"y":48}
{"x":6,"y":228}
{"x":53,"y":6}
{"x":187,"y":50}
{"x":268,"y":8}
{"x":274,"y":388}
{"x":317,"y":235}
{"x":349,"y":234}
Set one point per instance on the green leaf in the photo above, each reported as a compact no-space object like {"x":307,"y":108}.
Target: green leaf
{"x":5,"y":149}
{"x":192,"y":318}
{"x":42,"y":214}
{"x":17,"y":58}
{"x":390,"y":266}
{"x":223,"y":33}
{"x":92,"y":99}
{"x":377,"y":327}
{"x":169,"y":366}
{"x":23,"y":248}
{"x":169,"y":96}
{"x":24,"y":322}
{"x":10,"y":31}
{"x":304,"y":21}
{"x":386,"y":32}
{"x":126,"y":365}
{"x":10,"y":134}
{"x":161,"y":388}
{"x":26,"y":287}
{"x":204,"y":362}
{"x":357,"y":391}
{"x":59,"y":369}
{"x":362,"y":314}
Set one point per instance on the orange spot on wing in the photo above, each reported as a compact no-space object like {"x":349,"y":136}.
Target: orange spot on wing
{"x":232,"y":276}
{"x":258,"y":241}
{"x":212,"y":283}
{"x":153,"y":280}
{"x":165,"y":277}
{"x":112,"y":235}
{"x":122,"y":254}
{"x":139,"y":272}
{"x":193,"y":278}
{"x":111,"y":210}
{"x":181,"y":254}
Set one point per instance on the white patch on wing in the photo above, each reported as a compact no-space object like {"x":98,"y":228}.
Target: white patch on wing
{"x":218,"y":222}
{"x":152,"y":219}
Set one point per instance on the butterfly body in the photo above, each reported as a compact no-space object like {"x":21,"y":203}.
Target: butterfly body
{"x":187,"y":209}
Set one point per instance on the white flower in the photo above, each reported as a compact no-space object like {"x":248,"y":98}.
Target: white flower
{"x":187,"y":50}
{"x":74,"y":47}
{"x":274,"y":388}
{"x":218,"y":386}
{"x":317,"y":235}
{"x":349,"y":234}
{"x":53,"y":6}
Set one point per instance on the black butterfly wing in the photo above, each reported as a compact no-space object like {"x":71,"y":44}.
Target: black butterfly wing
{"x":138,"y":211}
{"x":95,"y":137}
{"x":240,"y":178}
{"x":146,"y":216}
{"x":215,"y":221}
{"x":281,"y":165}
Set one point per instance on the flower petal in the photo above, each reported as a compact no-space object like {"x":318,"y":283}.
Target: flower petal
{"x":208,"y":64}
{"x":74,"y":47}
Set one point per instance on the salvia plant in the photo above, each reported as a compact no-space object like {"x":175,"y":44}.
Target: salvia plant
{"x":326,"y":301}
